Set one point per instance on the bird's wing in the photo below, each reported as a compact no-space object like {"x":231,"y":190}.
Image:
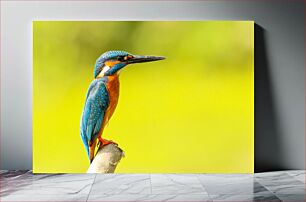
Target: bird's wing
{"x":96,"y":104}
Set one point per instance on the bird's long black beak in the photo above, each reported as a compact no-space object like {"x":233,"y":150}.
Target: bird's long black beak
{"x":144,"y":58}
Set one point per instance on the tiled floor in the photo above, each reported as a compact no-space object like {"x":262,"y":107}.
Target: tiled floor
{"x":271,"y":186}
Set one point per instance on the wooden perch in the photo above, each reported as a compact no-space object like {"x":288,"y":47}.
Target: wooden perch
{"x":106,"y":159}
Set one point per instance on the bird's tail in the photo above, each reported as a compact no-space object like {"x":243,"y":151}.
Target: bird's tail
{"x":92,"y":147}
{"x":86,"y":146}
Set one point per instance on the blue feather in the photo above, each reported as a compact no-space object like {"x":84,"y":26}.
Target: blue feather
{"x":96,"y":104}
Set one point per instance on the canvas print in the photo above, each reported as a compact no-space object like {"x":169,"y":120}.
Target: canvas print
{"x":143,"y":96}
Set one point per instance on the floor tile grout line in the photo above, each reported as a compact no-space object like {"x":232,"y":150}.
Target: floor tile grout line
{"x":209,"y":197}
{"x":269,"y":190}
{"x":151,"y":183}
{"x":91,"y":187}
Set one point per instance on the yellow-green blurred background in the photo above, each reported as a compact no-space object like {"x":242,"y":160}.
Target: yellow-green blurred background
{"x":190,"y":113}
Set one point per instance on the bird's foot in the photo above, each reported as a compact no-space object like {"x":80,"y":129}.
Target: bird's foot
{"x":104,"y":142}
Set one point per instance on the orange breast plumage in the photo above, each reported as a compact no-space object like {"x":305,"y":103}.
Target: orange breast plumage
{"x":113,"y":90}
{"x":112,"y":86}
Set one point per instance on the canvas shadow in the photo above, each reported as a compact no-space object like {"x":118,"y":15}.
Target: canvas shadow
{"x":268,"y":153}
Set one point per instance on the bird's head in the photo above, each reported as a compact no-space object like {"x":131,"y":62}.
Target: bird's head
{"x":109,"y":63}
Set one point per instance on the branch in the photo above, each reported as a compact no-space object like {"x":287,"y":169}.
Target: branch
{"x":106,"y":159}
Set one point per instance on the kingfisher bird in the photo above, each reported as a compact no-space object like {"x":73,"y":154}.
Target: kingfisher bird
{"x":102,"y":96}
